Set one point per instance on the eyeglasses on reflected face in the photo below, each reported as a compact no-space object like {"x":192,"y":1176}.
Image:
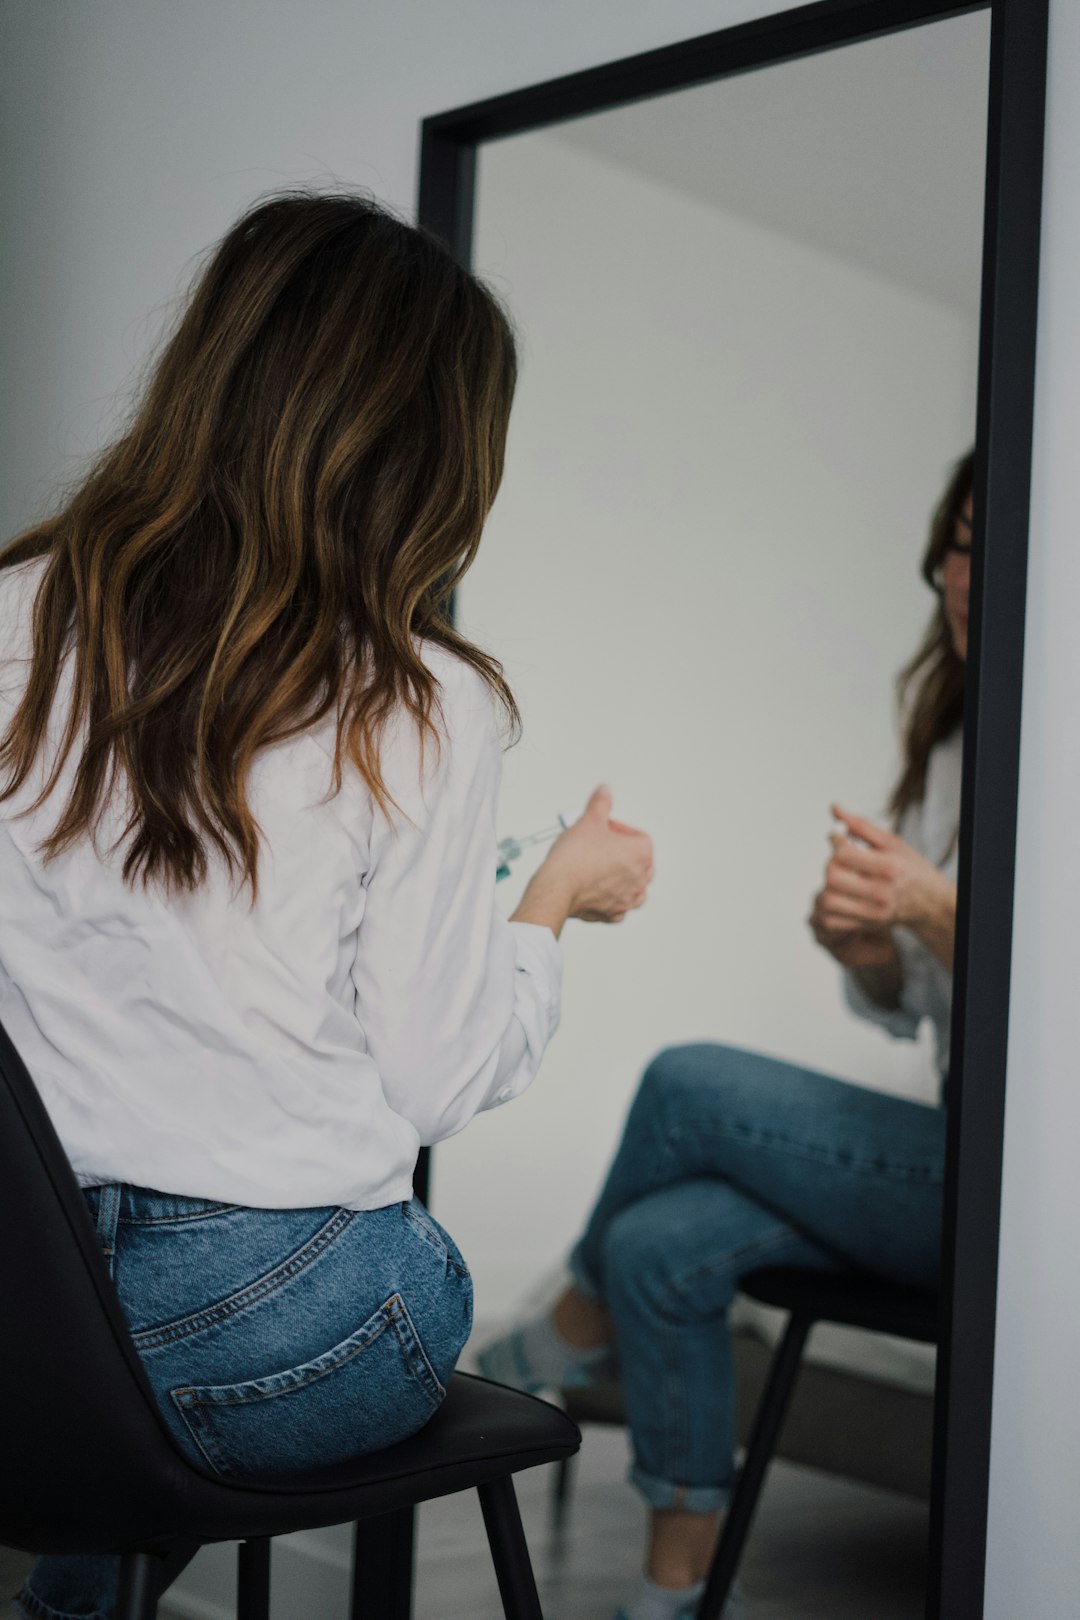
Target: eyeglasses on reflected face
{"x":958,"y":546}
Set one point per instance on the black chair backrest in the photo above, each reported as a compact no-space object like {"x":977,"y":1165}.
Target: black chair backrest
{"x":84,"y":1453}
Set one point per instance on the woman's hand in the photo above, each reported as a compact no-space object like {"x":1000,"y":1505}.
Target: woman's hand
{"x":596,"y":870}
{"x":876,"y":881}
{"x":852,"y":947}
{"x":866,"y":948}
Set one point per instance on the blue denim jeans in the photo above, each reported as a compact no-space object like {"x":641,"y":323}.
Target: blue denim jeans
{"x":730,"y":1161}
{"x":273,"y":1340}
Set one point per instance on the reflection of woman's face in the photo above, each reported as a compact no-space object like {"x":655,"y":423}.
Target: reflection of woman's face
{"x":956,"y":580}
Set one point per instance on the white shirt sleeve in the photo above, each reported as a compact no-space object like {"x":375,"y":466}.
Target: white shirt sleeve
{"x":457,"y":1004}
{"x":902,"y":1021}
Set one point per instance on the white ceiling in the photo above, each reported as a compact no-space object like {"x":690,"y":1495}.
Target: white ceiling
{"x":874,"y":152}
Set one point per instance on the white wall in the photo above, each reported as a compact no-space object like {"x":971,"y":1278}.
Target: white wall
{"x":1033,"y":1562}
{"x":133,"y":130}
{"x":702,"y":576}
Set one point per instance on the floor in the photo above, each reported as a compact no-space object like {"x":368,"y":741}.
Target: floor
{"x":822,"y":1549}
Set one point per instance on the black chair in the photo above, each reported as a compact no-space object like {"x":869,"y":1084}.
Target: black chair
{"x":808,"y":1297}
{"x":88,"y":1466}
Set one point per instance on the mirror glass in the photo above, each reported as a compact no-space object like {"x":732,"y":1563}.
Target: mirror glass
{"x":748,"y":319}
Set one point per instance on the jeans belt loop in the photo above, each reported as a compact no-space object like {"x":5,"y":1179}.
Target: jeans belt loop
{"x":107,"y":1219}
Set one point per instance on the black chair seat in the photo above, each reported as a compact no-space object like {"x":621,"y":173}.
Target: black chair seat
{"x":481,"y":1432}
{"x":848,"y":1298}
{"x":88,"y":1464}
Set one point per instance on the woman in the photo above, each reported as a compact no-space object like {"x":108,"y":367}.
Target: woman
{"x":248,"y":946}
{"x":730,"y":1160}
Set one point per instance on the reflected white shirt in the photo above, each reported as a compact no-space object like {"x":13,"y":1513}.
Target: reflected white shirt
{"x":296,"y":1052}
{"x":926,"y":986}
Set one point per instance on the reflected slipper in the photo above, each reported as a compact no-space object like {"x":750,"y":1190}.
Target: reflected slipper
{"x":653,"y":1602}
{"x":533,"y":1357}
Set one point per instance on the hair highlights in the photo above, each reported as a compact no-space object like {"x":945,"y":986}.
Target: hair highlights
{"x":303,"y":484}
{"x":931,"y":687}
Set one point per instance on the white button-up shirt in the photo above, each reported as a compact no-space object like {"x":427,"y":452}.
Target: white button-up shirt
{"x":296,"y":1052}
{"x":926,"y":986}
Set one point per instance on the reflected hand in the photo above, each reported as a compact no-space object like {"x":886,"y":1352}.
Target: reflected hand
{"x":851,"y":947}
{"x":880,"y":881}
{"x":848,"y":916}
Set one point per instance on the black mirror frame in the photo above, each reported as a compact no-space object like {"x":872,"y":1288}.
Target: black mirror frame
{"x":1016,"y":115}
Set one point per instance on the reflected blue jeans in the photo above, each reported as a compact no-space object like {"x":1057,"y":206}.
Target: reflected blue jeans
{"x":273,"y":1340}
{"x":730,"y":1161}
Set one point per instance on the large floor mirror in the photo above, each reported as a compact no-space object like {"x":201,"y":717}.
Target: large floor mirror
{"x":769,"y":287}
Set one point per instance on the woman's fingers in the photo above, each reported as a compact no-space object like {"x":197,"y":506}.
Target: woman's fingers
{"x":869,"y":863}
{"x":841,"y":879}
{"x":853,"y":941}
{"x":824,"y":917}
{"x":848,"y":879}
{"x":600,"y":802}
{"x":605,"y":866}
{"x":830,"y":929}
{"x":856,"y":910}
{"x":859,"y":827}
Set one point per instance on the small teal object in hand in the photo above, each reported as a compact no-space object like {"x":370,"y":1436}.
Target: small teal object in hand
{"x":510,"y":848}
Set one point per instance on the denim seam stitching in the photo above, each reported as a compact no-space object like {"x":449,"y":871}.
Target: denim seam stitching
{"x":194,"y":1412}
{"x":428,"y":1235}
{"x":177,"y":1220}
{"x":677,"y":1435}
{"x":675,"y":1445}
{"x":214,"y":1462}
{"x":193,"y":1420}
{"x":760,"y":1246}
{"x":415,"y":1355}
{"x":776,"y":1142}
{"x":193,"y":1404}
{"x":190,"y":1397}
{"x":156,"y":1338}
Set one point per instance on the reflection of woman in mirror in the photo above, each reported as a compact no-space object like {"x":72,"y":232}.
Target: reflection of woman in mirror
{"x":730,"y":1160}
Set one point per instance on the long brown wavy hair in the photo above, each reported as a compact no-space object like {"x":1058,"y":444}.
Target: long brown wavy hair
{"x":302,"y":486}
{"x":930,"y":688}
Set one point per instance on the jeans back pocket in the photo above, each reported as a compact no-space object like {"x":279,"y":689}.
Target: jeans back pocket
{"x":373,"y":1389}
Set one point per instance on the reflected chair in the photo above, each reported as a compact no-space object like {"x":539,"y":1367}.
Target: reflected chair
{"x":89,"y":1466}
{"x":846,"y":1298}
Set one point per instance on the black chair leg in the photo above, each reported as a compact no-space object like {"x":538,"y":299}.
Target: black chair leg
{"x":766,"y":1432}
{"x":137,"y":1596}
{"x":253,"y":1580}
{"x":509,"y":1552}
{"x":382,"y":1572}
{"x":561,"y":1489}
